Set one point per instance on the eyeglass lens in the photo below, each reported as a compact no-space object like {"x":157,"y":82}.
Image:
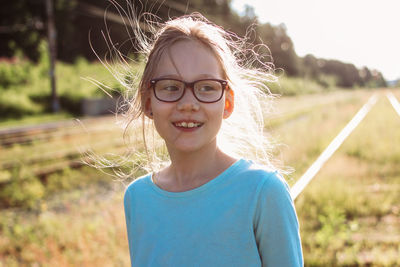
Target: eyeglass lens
{"x":204,"y":90}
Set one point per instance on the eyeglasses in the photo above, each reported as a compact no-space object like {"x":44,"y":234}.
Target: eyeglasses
{"x":172,"y":90}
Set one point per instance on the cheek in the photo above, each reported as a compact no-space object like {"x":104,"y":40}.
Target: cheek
{"x":161,"y":114}
{"x":160,"y":110}
{"x":161,"y":124}
{"x":216,"y":113}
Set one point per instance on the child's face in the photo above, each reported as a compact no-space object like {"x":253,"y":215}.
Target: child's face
{"x":188,"y":61}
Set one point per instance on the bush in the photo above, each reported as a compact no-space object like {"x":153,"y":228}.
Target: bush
{"x":289,"y":86}
{"x":14,"y":72}
{"x":23,"y":190}
{"x":25,"y":87}
{"x":14,"y":105}
{"x":327,"y":81}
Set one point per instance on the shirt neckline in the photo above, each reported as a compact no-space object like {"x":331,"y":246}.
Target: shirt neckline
{"x":212,"y":183}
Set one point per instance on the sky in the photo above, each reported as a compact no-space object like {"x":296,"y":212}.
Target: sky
{"x":362,"y":32}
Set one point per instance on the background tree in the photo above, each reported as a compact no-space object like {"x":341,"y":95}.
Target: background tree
{"x":22,"y":27}
{"x":281,"y":46}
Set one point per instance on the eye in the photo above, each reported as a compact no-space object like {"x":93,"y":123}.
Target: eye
{"x":170,"y":88}
{"x":208,"y":86}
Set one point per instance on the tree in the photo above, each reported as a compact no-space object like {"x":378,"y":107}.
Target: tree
{"x":281,"y":47}
{"x":22,"y":27}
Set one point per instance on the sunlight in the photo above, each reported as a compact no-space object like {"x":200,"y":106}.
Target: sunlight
{"x":358,"y":32}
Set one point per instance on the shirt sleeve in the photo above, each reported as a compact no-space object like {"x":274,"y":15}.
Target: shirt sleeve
{"x":127,"y":208}
{"x":276,"y":225}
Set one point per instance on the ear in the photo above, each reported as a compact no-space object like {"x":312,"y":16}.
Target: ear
{"x":147,"y":107}
{"x":229,"y":103}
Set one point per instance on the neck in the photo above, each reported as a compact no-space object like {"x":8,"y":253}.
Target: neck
{"x":193,"y":169}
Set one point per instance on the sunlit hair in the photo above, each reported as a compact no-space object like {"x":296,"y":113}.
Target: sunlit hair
{"x":241,"y":135}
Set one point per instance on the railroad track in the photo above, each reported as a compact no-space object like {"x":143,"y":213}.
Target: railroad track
{"x":27,"y":134}
{"x":306,"y":178}
{"x":52,"y":147}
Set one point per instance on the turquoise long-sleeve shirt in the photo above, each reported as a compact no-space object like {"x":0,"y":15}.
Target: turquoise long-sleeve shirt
{"x":243,"y":217}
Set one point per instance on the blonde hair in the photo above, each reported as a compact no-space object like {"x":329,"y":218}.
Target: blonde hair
{"x":241,"y":135}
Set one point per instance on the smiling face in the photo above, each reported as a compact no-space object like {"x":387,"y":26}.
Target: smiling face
{"x":188,"y":125}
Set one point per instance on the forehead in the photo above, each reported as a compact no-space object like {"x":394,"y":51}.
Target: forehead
{"x":188,"y":60}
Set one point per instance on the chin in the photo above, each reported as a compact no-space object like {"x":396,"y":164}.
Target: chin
{"x":187,"y":149}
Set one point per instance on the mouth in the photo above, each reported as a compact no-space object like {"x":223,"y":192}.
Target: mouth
{"x":187,"y":124}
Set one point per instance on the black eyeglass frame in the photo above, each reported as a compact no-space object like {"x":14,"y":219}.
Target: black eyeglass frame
{"x":224,"y":85}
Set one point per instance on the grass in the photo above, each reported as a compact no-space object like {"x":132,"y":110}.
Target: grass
{"x":79,"y":228}
{"x":328,"y":114}
{"x":348,"y":214}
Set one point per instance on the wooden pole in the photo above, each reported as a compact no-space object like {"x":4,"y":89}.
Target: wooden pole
{"x":51,"y":38}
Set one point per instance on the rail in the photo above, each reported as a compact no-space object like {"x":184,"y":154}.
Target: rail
{"x":306,"y":178}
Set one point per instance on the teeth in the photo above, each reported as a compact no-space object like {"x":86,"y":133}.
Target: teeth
{"x":187,"y":124}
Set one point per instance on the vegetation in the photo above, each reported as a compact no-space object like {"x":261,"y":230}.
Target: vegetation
{"x":348,"y":214}
{"x":25,"y":87}
{"x":29,"y":26}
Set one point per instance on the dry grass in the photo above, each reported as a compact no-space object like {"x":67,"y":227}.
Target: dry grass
{"x":85,"y":228}
{"x":304,"y":137}
{"x":349,"y":213}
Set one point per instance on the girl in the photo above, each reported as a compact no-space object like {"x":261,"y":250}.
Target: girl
{"x":212,"y":205}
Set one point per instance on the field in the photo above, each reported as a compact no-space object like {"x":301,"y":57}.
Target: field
{"x":349,"y":213}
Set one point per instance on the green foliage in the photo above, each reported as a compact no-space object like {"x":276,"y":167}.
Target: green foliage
{"x":281,"y":48}
{"x":25,"y":87}
{"x":74,"y":44}
{"x":289,"y":86}
{"x":22,"y":190}
{"x":344,"y":74}
{"x":15,"y":104}
{"x":327,"y":81}
{"x":69,"y":179}
{"x":14,"y":74}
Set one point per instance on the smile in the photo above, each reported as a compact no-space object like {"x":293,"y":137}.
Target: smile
{"x":185,"y":124}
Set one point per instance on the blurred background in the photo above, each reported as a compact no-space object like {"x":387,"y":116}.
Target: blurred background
{"x":330,"y":59}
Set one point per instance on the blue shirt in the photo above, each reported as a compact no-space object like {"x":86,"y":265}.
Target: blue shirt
{"x":243,"y":217}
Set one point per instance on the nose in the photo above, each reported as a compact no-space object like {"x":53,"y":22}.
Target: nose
{"x":188,"y":102}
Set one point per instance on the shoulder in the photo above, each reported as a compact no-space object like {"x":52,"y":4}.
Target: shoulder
{"x":138,"y":185}
{"x":267,"y":185}
{"x":265,"y":178}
